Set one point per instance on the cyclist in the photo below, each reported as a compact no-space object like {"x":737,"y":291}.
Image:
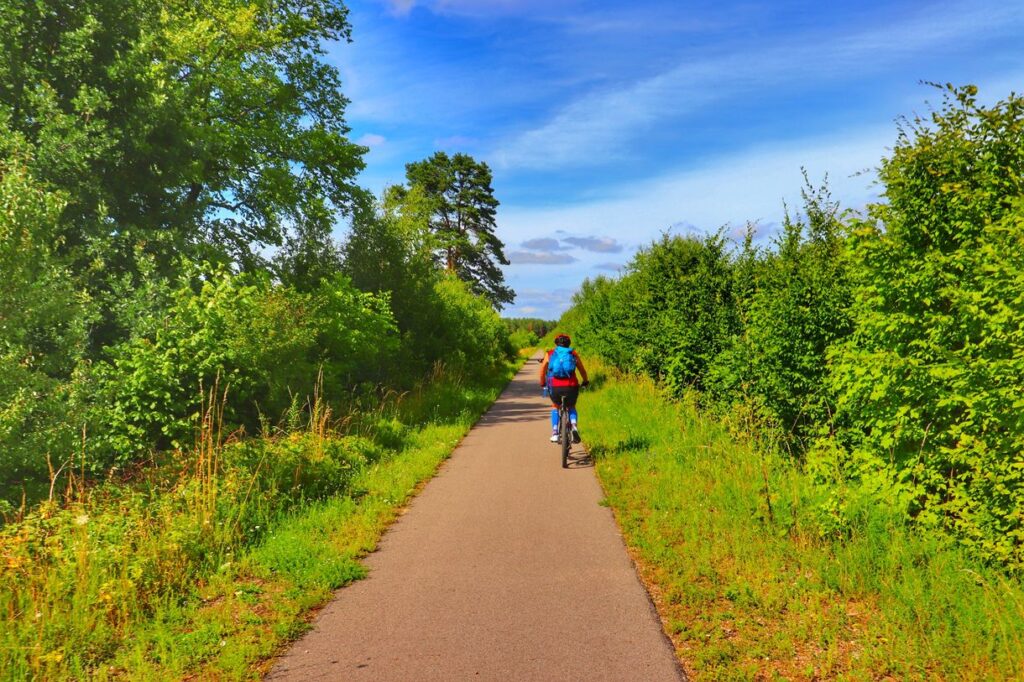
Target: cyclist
{"x":558,"y":386}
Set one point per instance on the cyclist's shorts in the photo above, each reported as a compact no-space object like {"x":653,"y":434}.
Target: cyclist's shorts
{"x":571,"y":393}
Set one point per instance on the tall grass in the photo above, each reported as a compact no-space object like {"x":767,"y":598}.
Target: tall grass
{"x":203,"y":565}
{"x":748,"y":584}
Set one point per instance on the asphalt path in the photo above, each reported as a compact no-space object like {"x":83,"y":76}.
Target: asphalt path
{"x":505,"y":567}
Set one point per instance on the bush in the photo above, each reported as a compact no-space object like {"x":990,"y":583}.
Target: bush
{"x":260,"y":344}
{"x":893,"y":344}
{"x":669,"y":316}
{"x":43,"y":327}
{"x":796,"y":307}
{"x":523,"y":338}
{"x":929,"y":384}
{"x":438,"y":317}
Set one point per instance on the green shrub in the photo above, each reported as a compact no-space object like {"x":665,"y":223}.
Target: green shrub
{"x":929,"y":384}
{"x":669,"y":316}
{"x":259,"y":344}
{"x":796,"y":307}
{"x":523,"y":338}
{"x":470,"y":327}
{"x":43,"y":327}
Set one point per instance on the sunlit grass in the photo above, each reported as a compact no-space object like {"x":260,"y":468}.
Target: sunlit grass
{"x":209,"y":564}
{"x":749,"y":588}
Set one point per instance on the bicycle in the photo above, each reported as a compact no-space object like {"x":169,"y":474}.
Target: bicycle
{"x":564,"y":432}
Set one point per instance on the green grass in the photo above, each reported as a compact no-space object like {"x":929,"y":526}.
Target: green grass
{"x":727,"y":538}
{"x":206,"y":569}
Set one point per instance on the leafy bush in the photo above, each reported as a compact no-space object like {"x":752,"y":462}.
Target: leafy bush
{"x":795,"y":307}
{"x":929,"y":384}
{"x":261,"y":344}
{"x":471,"y":329}
{"x":523,"y":338}
{"x":901,"y":334}
{"x":438,"y":317}
{"x":669,"y":316}
{"x":43,"y":326}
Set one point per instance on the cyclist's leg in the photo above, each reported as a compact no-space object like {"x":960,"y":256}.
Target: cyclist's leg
{"x":572,"y":394}
{"x":556,"y":399}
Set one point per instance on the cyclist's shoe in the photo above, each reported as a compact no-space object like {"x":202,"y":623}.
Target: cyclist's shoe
{"x":575,"y":434}
{"x":554,"y":437}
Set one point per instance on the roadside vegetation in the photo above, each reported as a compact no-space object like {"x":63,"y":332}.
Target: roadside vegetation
{"x":206,"y":565}
{"x":867,"y":519}
{"x":727,"y":534}
{"x":209,"y":407}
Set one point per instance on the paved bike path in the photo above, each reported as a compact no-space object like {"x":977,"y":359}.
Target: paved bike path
{"x":505,"y":567}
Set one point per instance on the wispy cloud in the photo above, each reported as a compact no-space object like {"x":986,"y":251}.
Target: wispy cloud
{"x":478,"y":8}
{"x":603,"y":124}
{"x":371,"y":140}
{"x":544,"y":244}
{"x":611,"y":267}
{"x":541,"y":258}
{"x":400,"y":8}
{"x":734,"y":189}
{"x":595,"y":244}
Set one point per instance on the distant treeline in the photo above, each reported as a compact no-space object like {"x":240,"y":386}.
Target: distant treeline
{"x":884,"y":352}
{"x":527,"y":331}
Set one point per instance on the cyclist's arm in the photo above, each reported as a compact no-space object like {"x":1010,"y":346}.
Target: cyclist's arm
{"x":581,"y":368}
{"x":544,"y":371}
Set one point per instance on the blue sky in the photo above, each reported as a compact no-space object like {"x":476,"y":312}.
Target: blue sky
{"x":607,"y":123}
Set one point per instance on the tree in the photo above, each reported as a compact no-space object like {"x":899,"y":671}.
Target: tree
{"x":208,"y":128}
{"x":462,"y":212}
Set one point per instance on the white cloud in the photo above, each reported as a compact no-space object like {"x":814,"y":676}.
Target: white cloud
{"x":603,"y":124}
{"x":400,"y":8}
{"x":751,"y":185}
{"x":530,"y":257}
{"x":548,"y":303}
{"x":371,"y":140}
{"x":595,"y":244}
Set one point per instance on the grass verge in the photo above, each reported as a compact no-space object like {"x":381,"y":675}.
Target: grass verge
{"x":205,"y":567}
{"x":726,"y":538}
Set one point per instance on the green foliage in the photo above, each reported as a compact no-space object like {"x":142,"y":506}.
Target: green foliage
{"x":524,"y":338}
{"x":750,"y":588}
{"x":390,"y":251}
{"x":43,"y":325}
{"x":140,"y":138}
{"x":473,"y":333}
{"x":929,"y":384}
{"x":527,"y":332}
{"x":199,"y":128}
{"x":887,"y":349}
{"x":669,"y":316}
{"x":460,"y":207}
{"x":203,"y":567}
{"x":261,"y":344}
{"x":794,"y":304}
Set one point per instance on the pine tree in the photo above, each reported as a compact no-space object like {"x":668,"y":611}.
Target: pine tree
{"x":462,"y":220}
